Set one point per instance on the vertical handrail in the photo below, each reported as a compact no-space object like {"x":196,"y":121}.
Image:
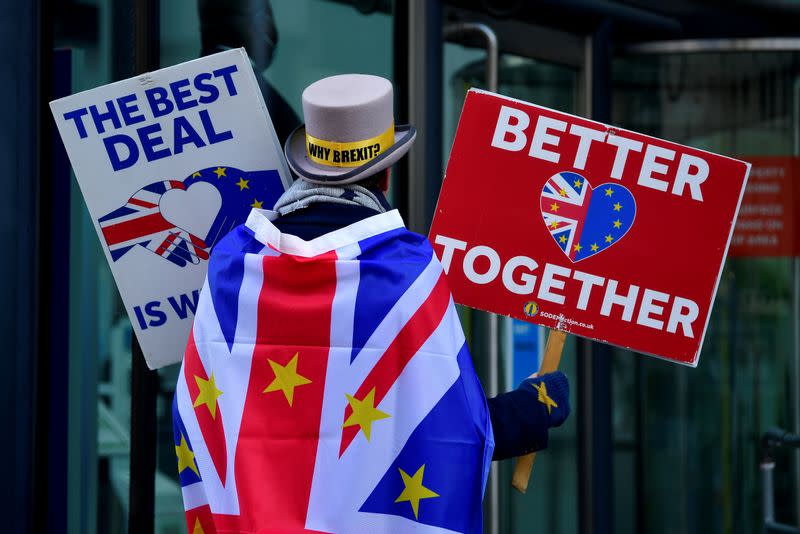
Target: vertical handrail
{"x":770,"y":440}
{"x":492,"y":48}
{"x":767,"y":497}
{"x":492,"y":342}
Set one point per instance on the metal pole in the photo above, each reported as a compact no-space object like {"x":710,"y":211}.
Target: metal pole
{"x":423,"y":67}
{"x":49,"y":479}
{"x":595,"y":443}
{"x":494,"y":473}
{"x":794,"y":367}
{"x":494,"y":360}
{"x":144,"y":382}
{"x":144,"y":390}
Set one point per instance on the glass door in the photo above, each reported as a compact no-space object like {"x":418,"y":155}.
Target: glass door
{"x":694,"y":434}
{"x":546,"y":67}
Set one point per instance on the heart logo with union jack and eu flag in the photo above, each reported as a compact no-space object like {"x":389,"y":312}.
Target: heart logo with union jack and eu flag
{"x":585,"y":220}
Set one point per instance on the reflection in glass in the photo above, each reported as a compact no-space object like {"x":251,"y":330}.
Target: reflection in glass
{"x":690,"y":437}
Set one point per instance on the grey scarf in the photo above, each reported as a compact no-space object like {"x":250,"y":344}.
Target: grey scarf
{"x":303,"y":193}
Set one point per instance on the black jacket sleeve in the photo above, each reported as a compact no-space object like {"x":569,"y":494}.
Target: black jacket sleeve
{"x":521,"y":418}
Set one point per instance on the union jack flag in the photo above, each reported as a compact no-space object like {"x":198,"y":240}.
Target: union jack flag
{"x":140,"y":222}
{"x":564,"y":205}
{"x":327,"y":387}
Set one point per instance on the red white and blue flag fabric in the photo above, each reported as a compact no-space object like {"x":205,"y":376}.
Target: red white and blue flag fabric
{"x":141,"y":220}
{"x":327,"y":387}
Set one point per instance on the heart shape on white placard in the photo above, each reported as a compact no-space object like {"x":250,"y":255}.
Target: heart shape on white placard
{"x":193,"y":209}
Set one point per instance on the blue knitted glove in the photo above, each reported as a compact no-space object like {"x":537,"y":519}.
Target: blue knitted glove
{"x":521,"y":418}
{"x":552,"y":393}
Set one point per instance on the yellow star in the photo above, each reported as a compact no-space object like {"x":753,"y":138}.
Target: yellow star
{"x":364,"y":413}
{"x":286,"y":378}
{"x":617,"y":206}
{"x":257,"y":204}
{"x":594,"y":247}
{"x":562,"y":193}
{"x":242,"y":183}
{"x":554,"y":224}
{"x":609,"y":192}
{"x":208,"y":394}
{"x":617,"y":223}
{"x":609,"y":239}
{"x":563,"y":239}
{"x":577,"y":183}
{"x":544,"y":398}
{"x":414,"y":491}
{"x":554,"y":206}
{"x":220,"y":171}
{"x":577,"y":248}
{"x":196,"y":174}
{"x":185,"y":457}
{"x":198,"y":528}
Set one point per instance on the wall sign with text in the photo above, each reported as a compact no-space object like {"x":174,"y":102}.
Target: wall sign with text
{"x":767,"y":222}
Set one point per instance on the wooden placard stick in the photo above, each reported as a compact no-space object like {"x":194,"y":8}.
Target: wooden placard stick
{"x":552,"y":357}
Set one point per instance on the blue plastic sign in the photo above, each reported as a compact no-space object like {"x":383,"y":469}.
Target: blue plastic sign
{"x":528,"y":345}
{"x":168,"y":163}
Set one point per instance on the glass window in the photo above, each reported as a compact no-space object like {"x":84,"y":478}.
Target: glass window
{"x":688,"y":439}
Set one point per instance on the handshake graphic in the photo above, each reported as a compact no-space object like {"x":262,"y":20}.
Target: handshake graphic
{"x":181,"y":221}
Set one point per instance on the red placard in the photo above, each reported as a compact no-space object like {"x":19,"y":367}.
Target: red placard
{"x":575,"y":225}
{"x":766,"y":225}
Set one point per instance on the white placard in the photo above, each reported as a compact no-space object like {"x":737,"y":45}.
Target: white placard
{"x":168,"y":163}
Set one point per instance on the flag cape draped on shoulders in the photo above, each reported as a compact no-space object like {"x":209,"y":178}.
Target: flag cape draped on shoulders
{"x":327,"y":387}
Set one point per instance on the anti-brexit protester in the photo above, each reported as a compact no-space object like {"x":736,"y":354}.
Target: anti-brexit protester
{"x":348,"y":401}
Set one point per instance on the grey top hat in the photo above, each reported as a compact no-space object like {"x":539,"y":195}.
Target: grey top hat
{"x":349,"y":132}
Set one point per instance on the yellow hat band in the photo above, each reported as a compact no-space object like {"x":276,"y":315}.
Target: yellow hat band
{"x":353,"y":154}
